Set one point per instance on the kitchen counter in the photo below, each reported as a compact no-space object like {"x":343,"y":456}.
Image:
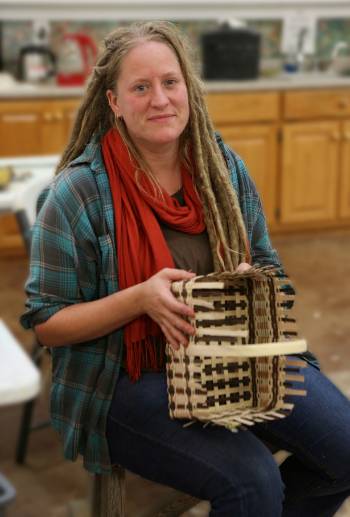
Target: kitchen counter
{"x":280,"y":82}
{"x":32,"y":91}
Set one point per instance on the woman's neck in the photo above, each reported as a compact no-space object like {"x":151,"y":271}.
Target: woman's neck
{"x":165,"y":165}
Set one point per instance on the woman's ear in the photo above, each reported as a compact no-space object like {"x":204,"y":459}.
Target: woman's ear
{"x":113,"y":102}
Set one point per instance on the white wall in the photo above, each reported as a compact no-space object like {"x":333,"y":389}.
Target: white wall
{"x":169,"y":9}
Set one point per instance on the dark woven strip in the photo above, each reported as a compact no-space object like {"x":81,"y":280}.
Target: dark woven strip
{"x":287,"y":319}
{"x":222,"y":384}
{"x":292,"y":369}
{"x":253,"y":365}
{"x":251,"y":327}
{"x":232,"y":398}
{"x":187,"y":377}
{"x":218,"y":306}
{"x":227,"y":291}
{"x":272,"y":300}
{"x":229,"y":320}
{"x":208,"y":340}
{"x":221,"y":368}
{"x":275,"y":380}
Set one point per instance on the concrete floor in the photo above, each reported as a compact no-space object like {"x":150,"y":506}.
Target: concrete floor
{"x":319,"y":265}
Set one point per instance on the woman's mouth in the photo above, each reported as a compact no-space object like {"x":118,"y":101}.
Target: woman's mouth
{"x":160,"y":118}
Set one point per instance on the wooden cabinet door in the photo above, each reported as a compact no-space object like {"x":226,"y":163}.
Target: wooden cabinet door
{"x":70,"y":109}
{"x":57,"y":121}
{"x":257,"y":146}
{"x":344,"y":210}
{"x":35,"y":127}
{"x":20,"y":128}
{"x":53,"y":132}
{"x":309,"y":172}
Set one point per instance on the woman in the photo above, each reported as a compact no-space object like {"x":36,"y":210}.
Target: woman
{"x":145,"y":193}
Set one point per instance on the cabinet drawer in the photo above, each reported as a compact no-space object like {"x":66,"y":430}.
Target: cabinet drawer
{"x":225,"y":108}
{"x":315,"y":104}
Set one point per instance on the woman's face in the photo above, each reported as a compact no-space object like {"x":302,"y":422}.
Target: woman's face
{"x":151,"y":95}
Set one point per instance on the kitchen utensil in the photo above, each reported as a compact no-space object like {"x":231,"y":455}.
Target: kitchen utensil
{"x":36,"y":61}
{"x":75,"y":60}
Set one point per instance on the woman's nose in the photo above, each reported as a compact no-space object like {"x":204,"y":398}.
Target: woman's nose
{"x":159,"y":97}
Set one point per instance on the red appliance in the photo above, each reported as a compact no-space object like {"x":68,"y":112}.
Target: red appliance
{"x":76,"y":59}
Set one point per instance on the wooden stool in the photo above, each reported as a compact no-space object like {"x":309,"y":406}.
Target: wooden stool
{"x":108,"y":495}
{"x":108,"y":499}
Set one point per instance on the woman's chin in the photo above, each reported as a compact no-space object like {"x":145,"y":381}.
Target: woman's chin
{"x":163,"y":139}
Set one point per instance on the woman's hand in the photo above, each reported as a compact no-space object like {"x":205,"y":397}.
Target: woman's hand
{"x":242,"y":267}
{"x":162,"y":306}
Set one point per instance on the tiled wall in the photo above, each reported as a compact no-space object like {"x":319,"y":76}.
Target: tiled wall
{"x":17,"y":34}
{"x":330,"y":32}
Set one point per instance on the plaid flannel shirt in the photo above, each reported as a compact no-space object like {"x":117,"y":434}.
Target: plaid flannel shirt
{"x":74,"y":260}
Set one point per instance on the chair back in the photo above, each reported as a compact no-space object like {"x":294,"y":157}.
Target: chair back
{"x":26,"y":204}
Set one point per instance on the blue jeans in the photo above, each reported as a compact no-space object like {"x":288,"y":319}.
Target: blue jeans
{"x":236,"y":472}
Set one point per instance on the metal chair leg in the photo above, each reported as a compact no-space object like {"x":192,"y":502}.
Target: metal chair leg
{"x":26,"y":421}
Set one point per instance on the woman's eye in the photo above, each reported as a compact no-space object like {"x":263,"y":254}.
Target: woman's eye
{"x":170,"y":82}
{"x":140,"y":88}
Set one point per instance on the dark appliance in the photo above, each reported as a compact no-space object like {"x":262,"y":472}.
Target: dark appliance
{"x":36,"y":62}
{"x":230,"y":53}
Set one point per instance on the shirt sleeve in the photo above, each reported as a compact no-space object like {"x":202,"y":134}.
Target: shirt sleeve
{"x":62,"y":271}
{"x":52,"y":282}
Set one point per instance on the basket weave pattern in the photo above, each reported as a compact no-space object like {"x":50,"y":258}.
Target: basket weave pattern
{"x":235,"y":370}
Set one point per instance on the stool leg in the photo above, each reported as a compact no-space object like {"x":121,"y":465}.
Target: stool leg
{"x":109,"y":494}
{"x":177,"y":507}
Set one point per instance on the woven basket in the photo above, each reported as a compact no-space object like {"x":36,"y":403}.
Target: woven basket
{"x":235,"y":370}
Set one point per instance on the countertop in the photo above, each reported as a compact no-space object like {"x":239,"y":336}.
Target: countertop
{"x":280,"y":82}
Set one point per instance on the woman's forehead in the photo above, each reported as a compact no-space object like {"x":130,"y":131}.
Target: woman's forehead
{"x":148,"y":57}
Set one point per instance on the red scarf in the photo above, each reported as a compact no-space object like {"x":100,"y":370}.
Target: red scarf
{"x":141,"y":247}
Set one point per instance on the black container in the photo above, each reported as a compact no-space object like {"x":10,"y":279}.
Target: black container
{"x":230,"y":53}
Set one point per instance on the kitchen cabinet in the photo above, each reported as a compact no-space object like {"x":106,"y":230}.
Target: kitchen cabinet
{"x":247,"y":123}
{"x":257,"y":145}
{"x":35,"y":127}
{"x":310,"y":167}
{"x":31,"y":127}
{"x":315,"y":163}
{"x":345,"y":172}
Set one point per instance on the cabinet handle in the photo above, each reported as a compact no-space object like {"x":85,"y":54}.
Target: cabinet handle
{"x":346,"y":136}
{"x":48,"y":117}
{"x":19,"y":117}
{"x":59,"y":115}
{"x":343,"y":103}
{"x":336,"y":137}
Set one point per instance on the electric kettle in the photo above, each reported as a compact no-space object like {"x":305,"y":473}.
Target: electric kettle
{"x":76,"y":59}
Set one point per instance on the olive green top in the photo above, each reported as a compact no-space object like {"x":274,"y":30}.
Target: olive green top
{"x":189,"y":251}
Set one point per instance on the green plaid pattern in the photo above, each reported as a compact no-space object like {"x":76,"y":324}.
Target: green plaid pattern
{"x":78,"y":264}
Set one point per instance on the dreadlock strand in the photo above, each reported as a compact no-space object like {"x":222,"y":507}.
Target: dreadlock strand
{"x":208,"y":190}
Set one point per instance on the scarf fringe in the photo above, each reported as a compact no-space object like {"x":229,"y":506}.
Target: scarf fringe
{"x":148,"y":354}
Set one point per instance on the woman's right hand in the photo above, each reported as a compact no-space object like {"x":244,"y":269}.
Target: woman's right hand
{"x":161,"y":305}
